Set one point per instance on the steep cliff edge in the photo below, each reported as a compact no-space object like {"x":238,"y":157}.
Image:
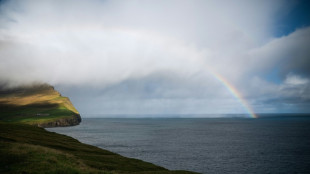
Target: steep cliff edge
{"x":32,"y":149}
{"x":39,"y":105}
{"x":61,"y":122}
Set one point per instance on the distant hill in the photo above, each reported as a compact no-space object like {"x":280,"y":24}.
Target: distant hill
{"x":39,"y":105}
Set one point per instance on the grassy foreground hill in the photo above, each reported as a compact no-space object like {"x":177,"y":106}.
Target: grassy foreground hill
{"x":30,"y":149}
{"x":37,"y":105}
{"x":26,"y":147}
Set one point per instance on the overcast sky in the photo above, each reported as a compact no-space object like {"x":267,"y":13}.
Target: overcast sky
{"x":161,"y":56}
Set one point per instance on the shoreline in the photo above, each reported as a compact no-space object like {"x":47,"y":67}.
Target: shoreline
{"x":30,"y":149}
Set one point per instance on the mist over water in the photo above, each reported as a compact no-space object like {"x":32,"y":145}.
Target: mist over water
{"x":207,"y":145}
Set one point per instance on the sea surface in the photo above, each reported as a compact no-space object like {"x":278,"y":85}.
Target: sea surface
{"x":205,"y":145}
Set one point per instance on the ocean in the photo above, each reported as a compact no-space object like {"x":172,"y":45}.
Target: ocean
{"x":204,"y":145}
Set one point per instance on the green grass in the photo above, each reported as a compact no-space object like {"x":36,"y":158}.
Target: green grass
{"x":29,"y":149}
{"x":25,"y":148}
{"x":34,"y":105}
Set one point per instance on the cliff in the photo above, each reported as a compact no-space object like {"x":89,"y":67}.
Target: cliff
{"x":32,"y":149}
{"x":61,"y":122}
{"x":39,"y":105}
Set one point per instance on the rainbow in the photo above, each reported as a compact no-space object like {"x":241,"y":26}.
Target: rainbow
{"x":235,"y":93}
{"x":217,"y":76}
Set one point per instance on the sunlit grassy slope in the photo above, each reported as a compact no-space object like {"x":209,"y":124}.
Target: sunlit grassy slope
{"x":27,"y":148}
{"x":30,"y":149}
{"x":36,"y":104}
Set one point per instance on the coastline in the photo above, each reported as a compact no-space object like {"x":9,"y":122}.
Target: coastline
{"x":203,"y":145}
{"x":26,"y":147}
{"x":31,"y":149}
{"x":62,"y":122}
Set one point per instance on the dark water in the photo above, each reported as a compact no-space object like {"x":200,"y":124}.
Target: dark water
{"x":217,"y":145}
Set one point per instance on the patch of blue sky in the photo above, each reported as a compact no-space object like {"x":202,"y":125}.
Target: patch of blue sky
{"x":273,"y":76}
{"x":297,"y":17}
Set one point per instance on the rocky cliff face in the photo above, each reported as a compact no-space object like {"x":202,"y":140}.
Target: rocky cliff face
{"x":62,"y":122}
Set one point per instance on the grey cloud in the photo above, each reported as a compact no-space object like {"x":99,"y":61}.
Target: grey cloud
{"x":104,"y":42}
{"x":293,"y":95}
{"x":288,"y":54}
{"x":148,"y":56}
{"x":162,"y":93}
